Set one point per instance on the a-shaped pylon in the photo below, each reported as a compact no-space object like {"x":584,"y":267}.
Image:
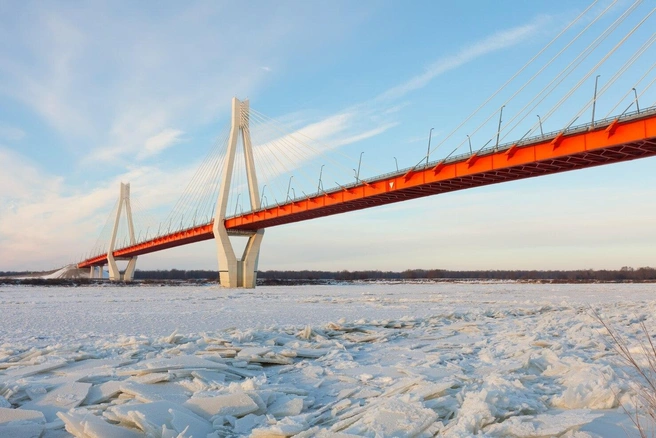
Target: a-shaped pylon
{"x":233,"y":272}
{"x":114,"y":273}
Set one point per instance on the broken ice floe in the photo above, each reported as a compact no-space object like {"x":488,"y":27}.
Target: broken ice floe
{"x":453,"y":375}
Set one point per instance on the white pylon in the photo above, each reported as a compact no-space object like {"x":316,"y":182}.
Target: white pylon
{"x":96,"y":272}
{"x":233,"y":272}
{"x":114,"y":273}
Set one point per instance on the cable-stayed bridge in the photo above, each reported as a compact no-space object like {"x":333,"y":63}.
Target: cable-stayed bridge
{"x":263,"y":173}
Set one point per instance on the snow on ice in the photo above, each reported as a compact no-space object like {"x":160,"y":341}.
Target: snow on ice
{"x":376,"y":360}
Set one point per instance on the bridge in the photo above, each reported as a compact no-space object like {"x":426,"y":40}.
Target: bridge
{"x":614,"y":139}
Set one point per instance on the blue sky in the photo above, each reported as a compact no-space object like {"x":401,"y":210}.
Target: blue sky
{"x":96,"y":93}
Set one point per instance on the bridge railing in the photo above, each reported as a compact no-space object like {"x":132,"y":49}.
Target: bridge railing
{"x":550,"y":135}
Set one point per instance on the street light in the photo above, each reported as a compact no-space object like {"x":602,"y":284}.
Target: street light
{"x":594,"y":99}
{"x":499,"y":129}
{"x":470,"y":148}
{"x":357,"y":177}
{"x":237,"y":203}
{"x":397,"y":164}
{"x":636,"y":99}
{"x":262,"y":197}
{"x":540,"y":120}
{"x":289,"y":187}
{"x":320,"y":186}
{"x":429,"y":141}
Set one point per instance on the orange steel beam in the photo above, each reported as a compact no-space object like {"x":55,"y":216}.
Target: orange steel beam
{"x":178,"y":238}
{"x":607,"y":143}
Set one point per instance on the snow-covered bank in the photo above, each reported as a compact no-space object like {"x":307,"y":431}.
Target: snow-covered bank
{"x":373,"y":360}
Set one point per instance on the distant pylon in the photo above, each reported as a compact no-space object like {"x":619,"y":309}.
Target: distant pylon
{"x":114,"y":273}
{"x":233,"y":272}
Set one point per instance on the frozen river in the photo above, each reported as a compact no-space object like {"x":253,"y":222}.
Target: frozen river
{"x":499,"y":359}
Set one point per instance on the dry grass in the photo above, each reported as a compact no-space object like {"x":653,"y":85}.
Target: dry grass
{"x":642,"y":370}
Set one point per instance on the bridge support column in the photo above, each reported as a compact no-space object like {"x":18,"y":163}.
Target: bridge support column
{"x":114,"y":273}
{"x":234,"y":272}
{"x":96,"y":272}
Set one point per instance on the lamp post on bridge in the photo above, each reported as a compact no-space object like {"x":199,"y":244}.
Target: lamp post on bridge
{"x":397,"y":164}
{"x":289,"y":186}
{"x":357,"y":176}
{"x":262,"y":198}
{"x":594,"y":100}
{"x":320,"y":186}
{"x":237,"y":203}
{"x":499,"y":128}
{"x":635,"y":93}
{"x":540,"y":120}
{"x":470,"y":148}
{"x":429,"y":142}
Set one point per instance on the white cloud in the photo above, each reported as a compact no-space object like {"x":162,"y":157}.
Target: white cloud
{"x":45,"y":224}
{"x":157,"y":143}
{"x":497,"y":41}
{"x":365,"y":135}
{"x":11,"y":133}
{"x":109,"y":83}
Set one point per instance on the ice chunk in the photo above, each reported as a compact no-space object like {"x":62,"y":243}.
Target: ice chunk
{"x":311,"y":353}
{"x":237,"y":405}
{"x":192,"y":424}
{"x":588,"y":386}
{"x":4,"y":403}
{"x":61,"y":399}
{"x":22,"y":430}
{"x":19,"y":373}
{"x":150,"y":416}
{"x":397,"y":416}
{"x":244,"y":425}
{"x":175,"y":363}
{"x":211,"y":378}
{"x":248,"y":353}
{"x":10,"y":415}
{"x":150,"y":378}
{"x":160,"y":391}
{"x":21,"y":423}
{"x":286,"y":406}
{"x":92,"y":368}
{"x":283,"y":428}
{"x":103,"y":392}
{"x":542,"y":425}
{"x":85,"y":424}
{"x":315,"y":432}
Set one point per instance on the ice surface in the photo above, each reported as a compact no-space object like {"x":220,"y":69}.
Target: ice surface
{"x":156,"y":392}
{"x":103,"y":392}
{"x":371,"y":360}
{"x":236,"y":405}
{"x":83,"y":424}
{"x":61,"y":399}
{"x":26,"y":371}
{"x":150,"y":417}
{"x":21,"y":423}
{"x":286,"y":406}
{"x":11,"y":415}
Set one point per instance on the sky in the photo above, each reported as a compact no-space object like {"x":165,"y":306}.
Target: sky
{"x":97,"y":93}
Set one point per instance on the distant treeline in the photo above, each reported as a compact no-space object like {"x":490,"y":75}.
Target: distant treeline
{"x":273,"y":277}
{"x":624,"y":274}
